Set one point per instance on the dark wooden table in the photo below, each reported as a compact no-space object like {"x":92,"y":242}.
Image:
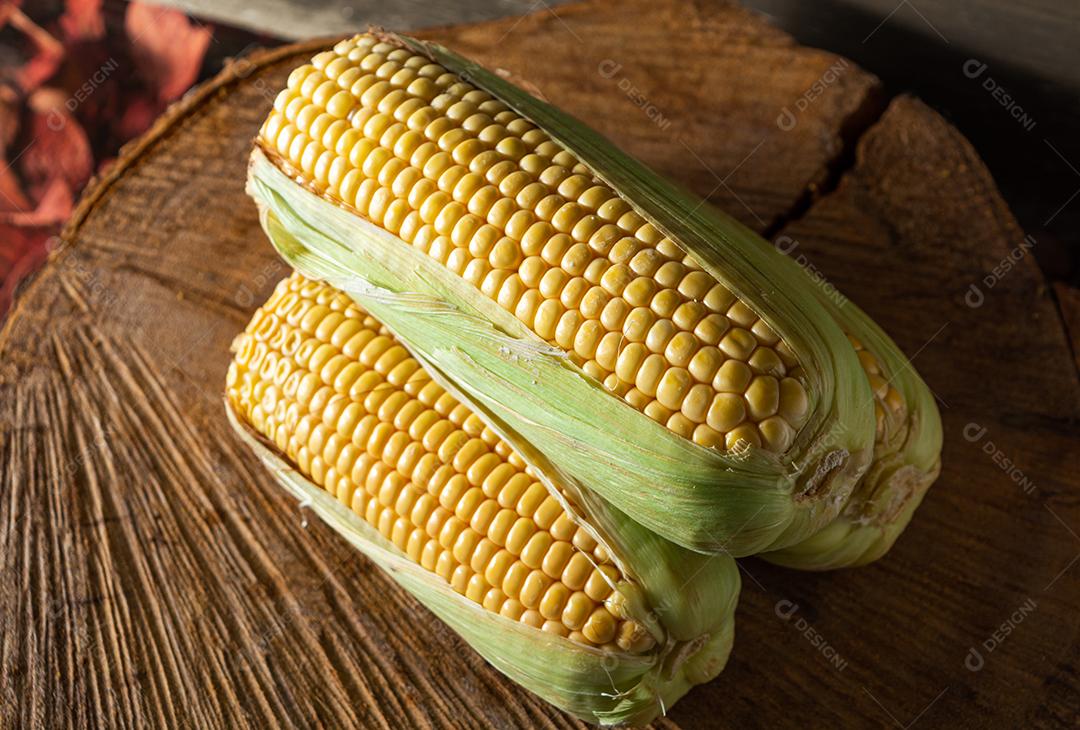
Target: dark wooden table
{"x":156,"y":576}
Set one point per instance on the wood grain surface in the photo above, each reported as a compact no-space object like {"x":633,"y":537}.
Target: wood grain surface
{"x":154,"y":575}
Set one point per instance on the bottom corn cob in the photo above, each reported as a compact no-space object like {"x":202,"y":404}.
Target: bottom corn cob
{"x":554,"y":586}
{"x":332,"y":388}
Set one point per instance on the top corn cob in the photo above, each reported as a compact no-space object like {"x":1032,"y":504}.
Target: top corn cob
{"x":906,"y":460}
{"x":639,"y":294}
{"x":466,"y":180}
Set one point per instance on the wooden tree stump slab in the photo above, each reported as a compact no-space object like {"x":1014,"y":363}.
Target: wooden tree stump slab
{"x":155,"y":575}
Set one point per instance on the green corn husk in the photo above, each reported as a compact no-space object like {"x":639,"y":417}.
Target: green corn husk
{"x":685,"y":599}
{"x":906,"y":462}
{"x":703,"y":499}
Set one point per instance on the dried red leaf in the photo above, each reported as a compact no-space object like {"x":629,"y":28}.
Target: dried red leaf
{"x":57,"y":145}
{"x":167,"y":47}
{"x":83,"y":20}
{"x":32,"y":247}
{"x":26,"y":235}
{"x":12,"y":197}
{"x":7,"y":9}
{"x":93,"y":76}
{"x":139,"y":113}
{"x":17,"y":241}
{"x":54,"y":207}
{"x":48,"y":52}
{"x":9,"y":124}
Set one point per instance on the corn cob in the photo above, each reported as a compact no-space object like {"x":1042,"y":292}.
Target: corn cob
{"x":470,"y":183}
{"x":341,"y":399}
{"x":421,"y":192}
